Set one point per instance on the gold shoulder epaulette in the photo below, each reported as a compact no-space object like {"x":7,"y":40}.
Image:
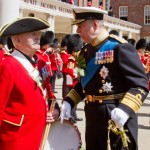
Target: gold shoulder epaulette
{"x":119,"y":39}
{"x":63,"y":52}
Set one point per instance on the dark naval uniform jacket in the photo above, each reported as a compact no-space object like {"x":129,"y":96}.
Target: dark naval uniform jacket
{"x":113,"y":74}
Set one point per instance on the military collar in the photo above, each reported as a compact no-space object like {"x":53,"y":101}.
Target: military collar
{"x":34,"y":59}
{"x":104,"y":35}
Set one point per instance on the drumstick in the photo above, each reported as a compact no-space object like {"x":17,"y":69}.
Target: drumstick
{"x":47,"y":127}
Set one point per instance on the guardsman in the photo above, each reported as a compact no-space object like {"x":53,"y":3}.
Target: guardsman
{"x":140,"y":46}
{"x":64,"y":56}
{"x":74,"y":46}
{"x":114,"y":84}
{"x":54,"y":63}
{"x":45,"y":41}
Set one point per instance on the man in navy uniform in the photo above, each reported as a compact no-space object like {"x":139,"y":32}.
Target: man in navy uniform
{"x":114,"y":83}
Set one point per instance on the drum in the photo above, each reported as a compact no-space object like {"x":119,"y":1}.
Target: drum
{"x":63,"y":136}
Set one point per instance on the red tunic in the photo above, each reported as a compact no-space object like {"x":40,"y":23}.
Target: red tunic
{"x":1,"y":54}
{"x":64,"y":56}
{"x":44,"y":72}
{"x":22,"y":108}
{"x":54,"y":62}
{"x":72,"y":74}
{"x":43,"y":55}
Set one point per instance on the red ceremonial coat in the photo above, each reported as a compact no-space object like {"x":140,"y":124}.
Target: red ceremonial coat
{"x":64,"y":56}
{"x":72,"y":75}
{"x":22,"y":108}
{"x":1,"y":54}
{"x":44,"y":72}
{"x":43,"y":55}
{"x":54,"y":62}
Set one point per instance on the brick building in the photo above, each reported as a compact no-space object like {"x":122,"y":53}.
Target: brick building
{"x":135,"y":11}
{"x":59,"y":15}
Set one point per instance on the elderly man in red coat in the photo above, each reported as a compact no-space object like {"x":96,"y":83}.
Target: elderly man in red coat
{"x":23,"y":92}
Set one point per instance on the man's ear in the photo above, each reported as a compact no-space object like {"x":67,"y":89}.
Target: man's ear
{"x":18,"y":39}
{"x":96,"y":24}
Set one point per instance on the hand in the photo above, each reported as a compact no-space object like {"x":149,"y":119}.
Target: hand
{"x":119,"y":117}
{"x":65,"y":111}
{"x":51,"y":117}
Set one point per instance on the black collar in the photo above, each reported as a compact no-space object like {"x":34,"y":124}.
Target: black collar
{"x":35,"y":61}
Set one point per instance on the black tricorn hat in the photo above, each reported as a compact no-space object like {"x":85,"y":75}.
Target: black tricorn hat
{"x":23,"y":25}
{"x":47,"y":38}
{"x":75,"y":43}
{"x":3,"y":40}
{"x":83,"y":13}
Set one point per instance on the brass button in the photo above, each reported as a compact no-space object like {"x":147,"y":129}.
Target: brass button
{"x":100,"y":91}
{"x":89,"y":98}
{"x":103,"y":81}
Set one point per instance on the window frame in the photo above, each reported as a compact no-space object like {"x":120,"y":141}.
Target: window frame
{"x":123,"y":13}
{"x":147,"y":10}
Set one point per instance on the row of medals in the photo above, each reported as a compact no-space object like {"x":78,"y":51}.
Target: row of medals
{"x":104,"y":57}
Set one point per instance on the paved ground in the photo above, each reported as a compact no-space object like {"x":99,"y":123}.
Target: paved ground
{"x":143,"y":119}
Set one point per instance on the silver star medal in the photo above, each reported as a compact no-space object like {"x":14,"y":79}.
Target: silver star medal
{"x":107,"y":87}
{"x":104,"y":72}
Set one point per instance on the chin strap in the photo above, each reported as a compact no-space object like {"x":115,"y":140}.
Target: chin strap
{"x":118,"y":131}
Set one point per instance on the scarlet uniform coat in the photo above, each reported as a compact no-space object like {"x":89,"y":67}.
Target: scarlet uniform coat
{"x":72,"y":71}
{"x":64,"y":56}
{"x":22,"y":108}
{"x":42,"y":55}
{"x":1,"y":54}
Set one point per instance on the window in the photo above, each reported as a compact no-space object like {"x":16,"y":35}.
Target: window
{"x":76,"y":2}
{"x":123,"y":11}
{"x":147,"y":15}
{"x":147,"y":38}
{"x":107,"y":4}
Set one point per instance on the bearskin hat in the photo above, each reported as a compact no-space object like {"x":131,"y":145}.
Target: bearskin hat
{"x":47,"y":38}
{"x":65,"y":40}
{"x":141,"y":44}
{"x":55,"y":43}
{"x":75,"y":43}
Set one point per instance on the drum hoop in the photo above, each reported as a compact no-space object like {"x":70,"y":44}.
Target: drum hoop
{"x":76,"y":129}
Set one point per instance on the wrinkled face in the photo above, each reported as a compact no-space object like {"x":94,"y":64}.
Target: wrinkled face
{"x":28,"y":43}
{"x":31,"y":40}
{"x":86,"y":30}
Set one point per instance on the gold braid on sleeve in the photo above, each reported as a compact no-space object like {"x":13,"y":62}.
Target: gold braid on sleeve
{"x":74,"y":96}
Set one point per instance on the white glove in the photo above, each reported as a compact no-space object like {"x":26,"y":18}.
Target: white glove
{"x":119,"y":117}
{"x":65,"y":111}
